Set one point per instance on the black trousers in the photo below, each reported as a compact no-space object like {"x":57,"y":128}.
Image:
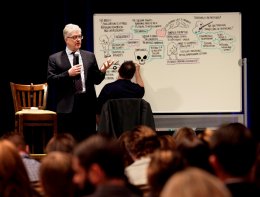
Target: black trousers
{"x":81,"y":122}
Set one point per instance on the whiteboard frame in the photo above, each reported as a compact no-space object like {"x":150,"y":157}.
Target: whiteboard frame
{"x":219,"y":116}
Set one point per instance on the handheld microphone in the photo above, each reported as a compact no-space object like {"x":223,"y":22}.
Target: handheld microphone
{"x":76,"y":62}
{"x":76,"y":56}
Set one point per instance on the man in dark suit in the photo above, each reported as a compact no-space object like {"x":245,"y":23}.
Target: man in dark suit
{"x":76,"y":108}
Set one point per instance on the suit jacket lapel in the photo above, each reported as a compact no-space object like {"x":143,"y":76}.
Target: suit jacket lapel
{"x":65,"y":60}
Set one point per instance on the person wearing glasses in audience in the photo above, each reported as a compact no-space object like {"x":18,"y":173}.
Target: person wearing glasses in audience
{"x":71,"y":76}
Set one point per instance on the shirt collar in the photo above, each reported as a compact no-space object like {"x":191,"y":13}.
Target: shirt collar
{"x":24,"y":155}
{"x":68,"y":51}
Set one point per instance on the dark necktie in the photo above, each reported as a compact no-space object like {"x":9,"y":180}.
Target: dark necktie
{"x":77,"y":80}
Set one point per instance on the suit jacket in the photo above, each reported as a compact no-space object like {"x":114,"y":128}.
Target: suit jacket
{"x":119,"y":115}
{"x":243,"y":189}
{"x":61,"y":85}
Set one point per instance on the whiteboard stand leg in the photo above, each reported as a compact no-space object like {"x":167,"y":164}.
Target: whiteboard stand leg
{"x":244,"y":63}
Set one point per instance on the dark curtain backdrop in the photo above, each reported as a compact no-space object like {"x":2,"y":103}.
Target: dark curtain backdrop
{"x":35,"y":31}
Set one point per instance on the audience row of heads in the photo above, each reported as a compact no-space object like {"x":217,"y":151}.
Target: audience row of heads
{"x":202,"y":161}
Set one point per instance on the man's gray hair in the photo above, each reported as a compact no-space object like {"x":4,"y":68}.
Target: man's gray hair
{"x":69,"y":29}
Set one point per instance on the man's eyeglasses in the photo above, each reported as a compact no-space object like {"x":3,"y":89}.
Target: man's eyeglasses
{"x":76,"y":37}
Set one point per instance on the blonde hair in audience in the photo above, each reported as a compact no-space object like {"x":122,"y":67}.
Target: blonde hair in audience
{"x":194,"y":182}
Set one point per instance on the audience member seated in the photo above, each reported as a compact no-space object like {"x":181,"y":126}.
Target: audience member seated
{"x":122,"y":139}
{"x":123,"y":87}
{"x":167,"y":142}
{"x":56,"y":175}
{"x":99,"y":161}
{"x":256,"y":172}
{"x":205,"y":135}
{"x":196,"y":153}
{"x":233,"y":155}
{"x":184,"y":133}
{"x":14,"y":180}
{"x":194,"y":182}
{"x":32,"y":165}
{"x":63,"y":142}
{"x":142,"y":142}
{"x":163,"y":164}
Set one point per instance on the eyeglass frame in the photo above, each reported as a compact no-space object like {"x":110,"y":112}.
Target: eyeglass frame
{"x":76,"y":37}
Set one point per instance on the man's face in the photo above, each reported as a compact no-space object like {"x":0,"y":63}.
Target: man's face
{"x":74,"y":41}
{"x":80,"y":174}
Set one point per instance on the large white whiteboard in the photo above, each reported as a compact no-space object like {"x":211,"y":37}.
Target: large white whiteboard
{"x":189,"y":61}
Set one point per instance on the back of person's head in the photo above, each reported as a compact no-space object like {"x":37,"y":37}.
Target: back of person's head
{"x":163,"y":164}
{"x":146,"y":146}
{"x":205,"y":135}
{"x":69,"y":29}
{"x":184,"y":133}
{"x":56,"y":174}
{"x":144,"y":131}
{"x":136,"y":142}
{"x":103,"y":151}
{"x":63,"y":142}
{"x":127,"y":70}
{"x":14,"y":180}
{"x":194,"y":182}
{"x":17,"y":139}
{"x":122,"y":140}
{"x":196,"y":153}
{"x":234,"y":147}
{"x":167,"y":142}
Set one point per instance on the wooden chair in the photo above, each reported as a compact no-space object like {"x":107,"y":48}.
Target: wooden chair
{"x":30,"y":107}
